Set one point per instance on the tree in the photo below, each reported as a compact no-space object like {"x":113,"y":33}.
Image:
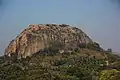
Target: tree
{"x":109,"y":50}
{"x":109,"y":75}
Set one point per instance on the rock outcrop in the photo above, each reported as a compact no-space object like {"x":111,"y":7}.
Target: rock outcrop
{"x":38,"y":37}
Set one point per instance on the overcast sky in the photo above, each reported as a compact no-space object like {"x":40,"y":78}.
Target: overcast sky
{"x":100,"y":19}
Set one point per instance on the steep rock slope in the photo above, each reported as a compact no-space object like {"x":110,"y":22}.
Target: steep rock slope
{"x":42,"y":36}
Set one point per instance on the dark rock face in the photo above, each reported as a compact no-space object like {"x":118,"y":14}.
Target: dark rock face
{"x":42,"y":36}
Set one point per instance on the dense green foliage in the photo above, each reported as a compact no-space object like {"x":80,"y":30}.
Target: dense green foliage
{"x":66,"y":66}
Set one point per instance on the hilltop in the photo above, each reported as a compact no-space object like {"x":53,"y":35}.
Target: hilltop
{"x":45,"y":37}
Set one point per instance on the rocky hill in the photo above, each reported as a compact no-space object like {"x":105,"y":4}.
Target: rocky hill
{"x":57,"y":52}
{"x":40,"y":37}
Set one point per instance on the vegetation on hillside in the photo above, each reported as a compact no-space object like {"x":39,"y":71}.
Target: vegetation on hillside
{"x":83,"y":64}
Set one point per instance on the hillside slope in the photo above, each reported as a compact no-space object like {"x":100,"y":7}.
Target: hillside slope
{"x":84,"y":64}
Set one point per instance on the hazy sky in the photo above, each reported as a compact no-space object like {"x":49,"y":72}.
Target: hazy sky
{"x":100,"y":19}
